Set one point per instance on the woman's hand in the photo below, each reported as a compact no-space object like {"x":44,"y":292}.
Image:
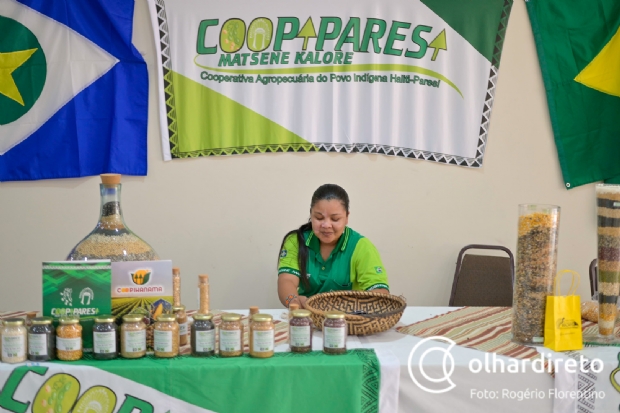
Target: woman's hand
{"x":301,"y":300}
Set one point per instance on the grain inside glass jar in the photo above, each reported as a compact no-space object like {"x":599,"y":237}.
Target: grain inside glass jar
{"x":334,"y":333}
{"x":203,"y":293}
{"x":69,"y":339}
{"x":41,"y":339}
{"x":181,"y":315}
{"x":166,"y":336}
{"x":176,"y":286}
{"x":203,"y":335}
{"x":104,"y":338}
{"x":14,"y":335}
{"x":262,"y":336}
{"x":300,"y":331}
{"x":608,"y":229}
{"x":231,"y":335}
{"x":133,"y":336}
{"x":537,"y":248}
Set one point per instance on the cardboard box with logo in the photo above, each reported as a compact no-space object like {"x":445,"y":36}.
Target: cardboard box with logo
{"x":143,"y":287}
{"x":78,"y":288}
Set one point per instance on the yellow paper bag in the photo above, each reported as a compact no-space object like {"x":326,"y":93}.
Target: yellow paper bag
{"x":563,"y":316}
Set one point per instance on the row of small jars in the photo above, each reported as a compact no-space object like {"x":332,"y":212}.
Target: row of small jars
{"x":41,"y":342}
{"x":334,"y":332}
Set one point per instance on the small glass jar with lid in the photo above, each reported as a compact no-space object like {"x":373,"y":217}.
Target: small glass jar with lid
{"x":300,"y":331}
{"x":181,"y":315}
{"x":166,"y":336}
{"x":334,"y":333}
{"x":69,"y":339}
{"x":41,"y":339}
{"x":231,"y":335}
{"x":104,"y":338}
{"x":203,"y":335}
{"x":14,"y":335}
{"x":133,"y":336}
{"x":262,"y":336}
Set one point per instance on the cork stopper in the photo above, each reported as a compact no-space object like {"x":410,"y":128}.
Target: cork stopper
{"x":253,"y":310}
{"x":176,"y":271}
{"x":204,"y":278}
{"x":293,"y":307}
{"x":110,"y":179}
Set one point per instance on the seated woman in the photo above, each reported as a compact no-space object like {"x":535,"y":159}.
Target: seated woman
{"x":325,"y":255}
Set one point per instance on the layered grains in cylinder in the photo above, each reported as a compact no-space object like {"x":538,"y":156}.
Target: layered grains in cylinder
{"x":608,"y":229}
{"x":537,"y":250}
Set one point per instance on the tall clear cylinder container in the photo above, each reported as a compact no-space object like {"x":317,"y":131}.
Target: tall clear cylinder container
{"x":112,"y":239}
{"x":608,"y":223}
{"x":537,"y":251}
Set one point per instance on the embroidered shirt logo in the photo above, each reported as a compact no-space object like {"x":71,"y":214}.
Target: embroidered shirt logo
{"x":379,"y":270}
{"x":283,"y":253}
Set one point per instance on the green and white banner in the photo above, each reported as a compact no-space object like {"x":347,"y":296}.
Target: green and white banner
{"x":305,"y":383}
{"x":412,"y":78}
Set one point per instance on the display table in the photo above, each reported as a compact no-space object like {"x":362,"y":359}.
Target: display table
{"x":488,"y":391}
{"x":483,"y":391}
{"x":359,"y":381}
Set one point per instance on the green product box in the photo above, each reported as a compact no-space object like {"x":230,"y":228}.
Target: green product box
{"x":81,"y":288}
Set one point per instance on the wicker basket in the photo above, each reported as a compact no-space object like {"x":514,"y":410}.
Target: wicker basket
{"x":382,"y":310}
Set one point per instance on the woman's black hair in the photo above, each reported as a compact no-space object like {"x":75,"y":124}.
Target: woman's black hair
{"x":325,"y":192}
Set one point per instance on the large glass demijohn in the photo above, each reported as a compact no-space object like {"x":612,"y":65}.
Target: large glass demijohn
{"x":112,"y":239}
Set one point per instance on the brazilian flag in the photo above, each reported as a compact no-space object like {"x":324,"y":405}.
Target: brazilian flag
{"x":578,"y":44}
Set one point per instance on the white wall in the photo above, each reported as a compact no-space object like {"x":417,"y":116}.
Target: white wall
{"x":225,"y":216}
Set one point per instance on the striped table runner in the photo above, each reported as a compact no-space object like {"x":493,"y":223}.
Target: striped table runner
{"x":281,"y":333}
{"x":482,"y":328}
{"x":486,"y":329}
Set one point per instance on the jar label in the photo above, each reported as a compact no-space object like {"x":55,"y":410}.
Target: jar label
{"x":230,"y":340}
{"x":68,"y":344}
{"x":205,"y":341}
{"x":263,"y":341}
{"x":13,"y":346}
{"x":37,"y":344}
{"x":104,"y":343}
{"x":538,"y":339}
{"x":163,"y":341}
{"x":300,"y":336}
{"x":183,"y":329}
{"x":334,"y":337}
{"x":135,"y":341}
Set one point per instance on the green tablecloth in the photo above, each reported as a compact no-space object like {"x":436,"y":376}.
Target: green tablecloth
{"x":287,"y":382}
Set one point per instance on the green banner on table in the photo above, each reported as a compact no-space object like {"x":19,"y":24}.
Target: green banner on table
{"x":287,"y":382}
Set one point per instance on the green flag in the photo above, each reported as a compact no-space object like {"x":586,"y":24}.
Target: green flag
{"x":576,"y":41}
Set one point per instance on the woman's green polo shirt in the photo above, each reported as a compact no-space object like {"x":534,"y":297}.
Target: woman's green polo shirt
{"x":354,"y":264}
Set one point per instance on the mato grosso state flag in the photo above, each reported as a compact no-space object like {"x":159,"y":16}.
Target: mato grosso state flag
{"x":578,"y":44}
{"x":73,"y":90}
{"x":413,"y":78}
